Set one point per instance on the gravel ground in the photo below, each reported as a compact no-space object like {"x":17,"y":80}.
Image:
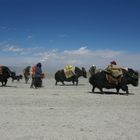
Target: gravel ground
{"x":67,"y":113}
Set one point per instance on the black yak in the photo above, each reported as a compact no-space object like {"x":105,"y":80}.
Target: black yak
{"x":16,"y":77}
{"x":100,"y":81}
{"x":61,"y":77}
{"x":5,"y":73}
{"x":26,"y":73}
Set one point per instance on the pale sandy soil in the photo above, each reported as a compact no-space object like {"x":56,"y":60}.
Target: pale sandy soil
{"x":67,"y":113}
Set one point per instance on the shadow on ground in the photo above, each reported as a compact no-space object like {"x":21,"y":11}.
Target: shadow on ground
{"x":70,"y":85}
{"x":111,"y":93}
{"x":9,"y":86}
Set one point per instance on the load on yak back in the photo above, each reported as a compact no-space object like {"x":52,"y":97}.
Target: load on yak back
{"x":69,"y":71}
{"x":114,"y":73}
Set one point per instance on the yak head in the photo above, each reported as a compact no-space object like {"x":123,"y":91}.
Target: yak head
{"x":12,"y":74}
{"x":84,"y":72}
{"x":132,"y":77}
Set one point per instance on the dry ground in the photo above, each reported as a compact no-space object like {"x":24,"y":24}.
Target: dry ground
{"x":67,"y":113}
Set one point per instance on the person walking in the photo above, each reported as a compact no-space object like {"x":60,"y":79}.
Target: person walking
{"x":38,"y":75}
{"x":33,"y":71}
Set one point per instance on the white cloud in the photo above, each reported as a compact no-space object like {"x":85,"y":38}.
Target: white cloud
{"x":10,"y":48}
{"x":83,"y":51}
{"x":85,"y":57}
{"x":80,"y":51}
{"x":107,"y":53}
{"x":80,"y":57}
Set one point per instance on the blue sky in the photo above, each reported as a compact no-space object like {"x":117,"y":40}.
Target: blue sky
{"x":79,"y":32}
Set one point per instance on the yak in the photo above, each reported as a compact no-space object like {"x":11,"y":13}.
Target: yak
{"x":5,"y":74}
{"x":16,"y":77}
{"x":26,"y":73}
{"x":60,"y":76}
{"x":100,"y":81}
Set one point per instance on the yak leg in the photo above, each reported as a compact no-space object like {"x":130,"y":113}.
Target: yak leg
{"x":76,"y":80}
{"x":127,"y":92}
{"x":117,"y":90}
{"x":56,"y":83}
{"x":4,"y":83}
{"x":101,"y":90}
{"x":59,"y":81}
{"x":73,"y":81}
{"x":93,"y":88}
{"x":63,"y":83}
{"x":125,"y":88}
{"x":26,"y":80}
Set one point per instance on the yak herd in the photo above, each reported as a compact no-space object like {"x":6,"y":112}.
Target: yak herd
{"x":96,"y":79}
